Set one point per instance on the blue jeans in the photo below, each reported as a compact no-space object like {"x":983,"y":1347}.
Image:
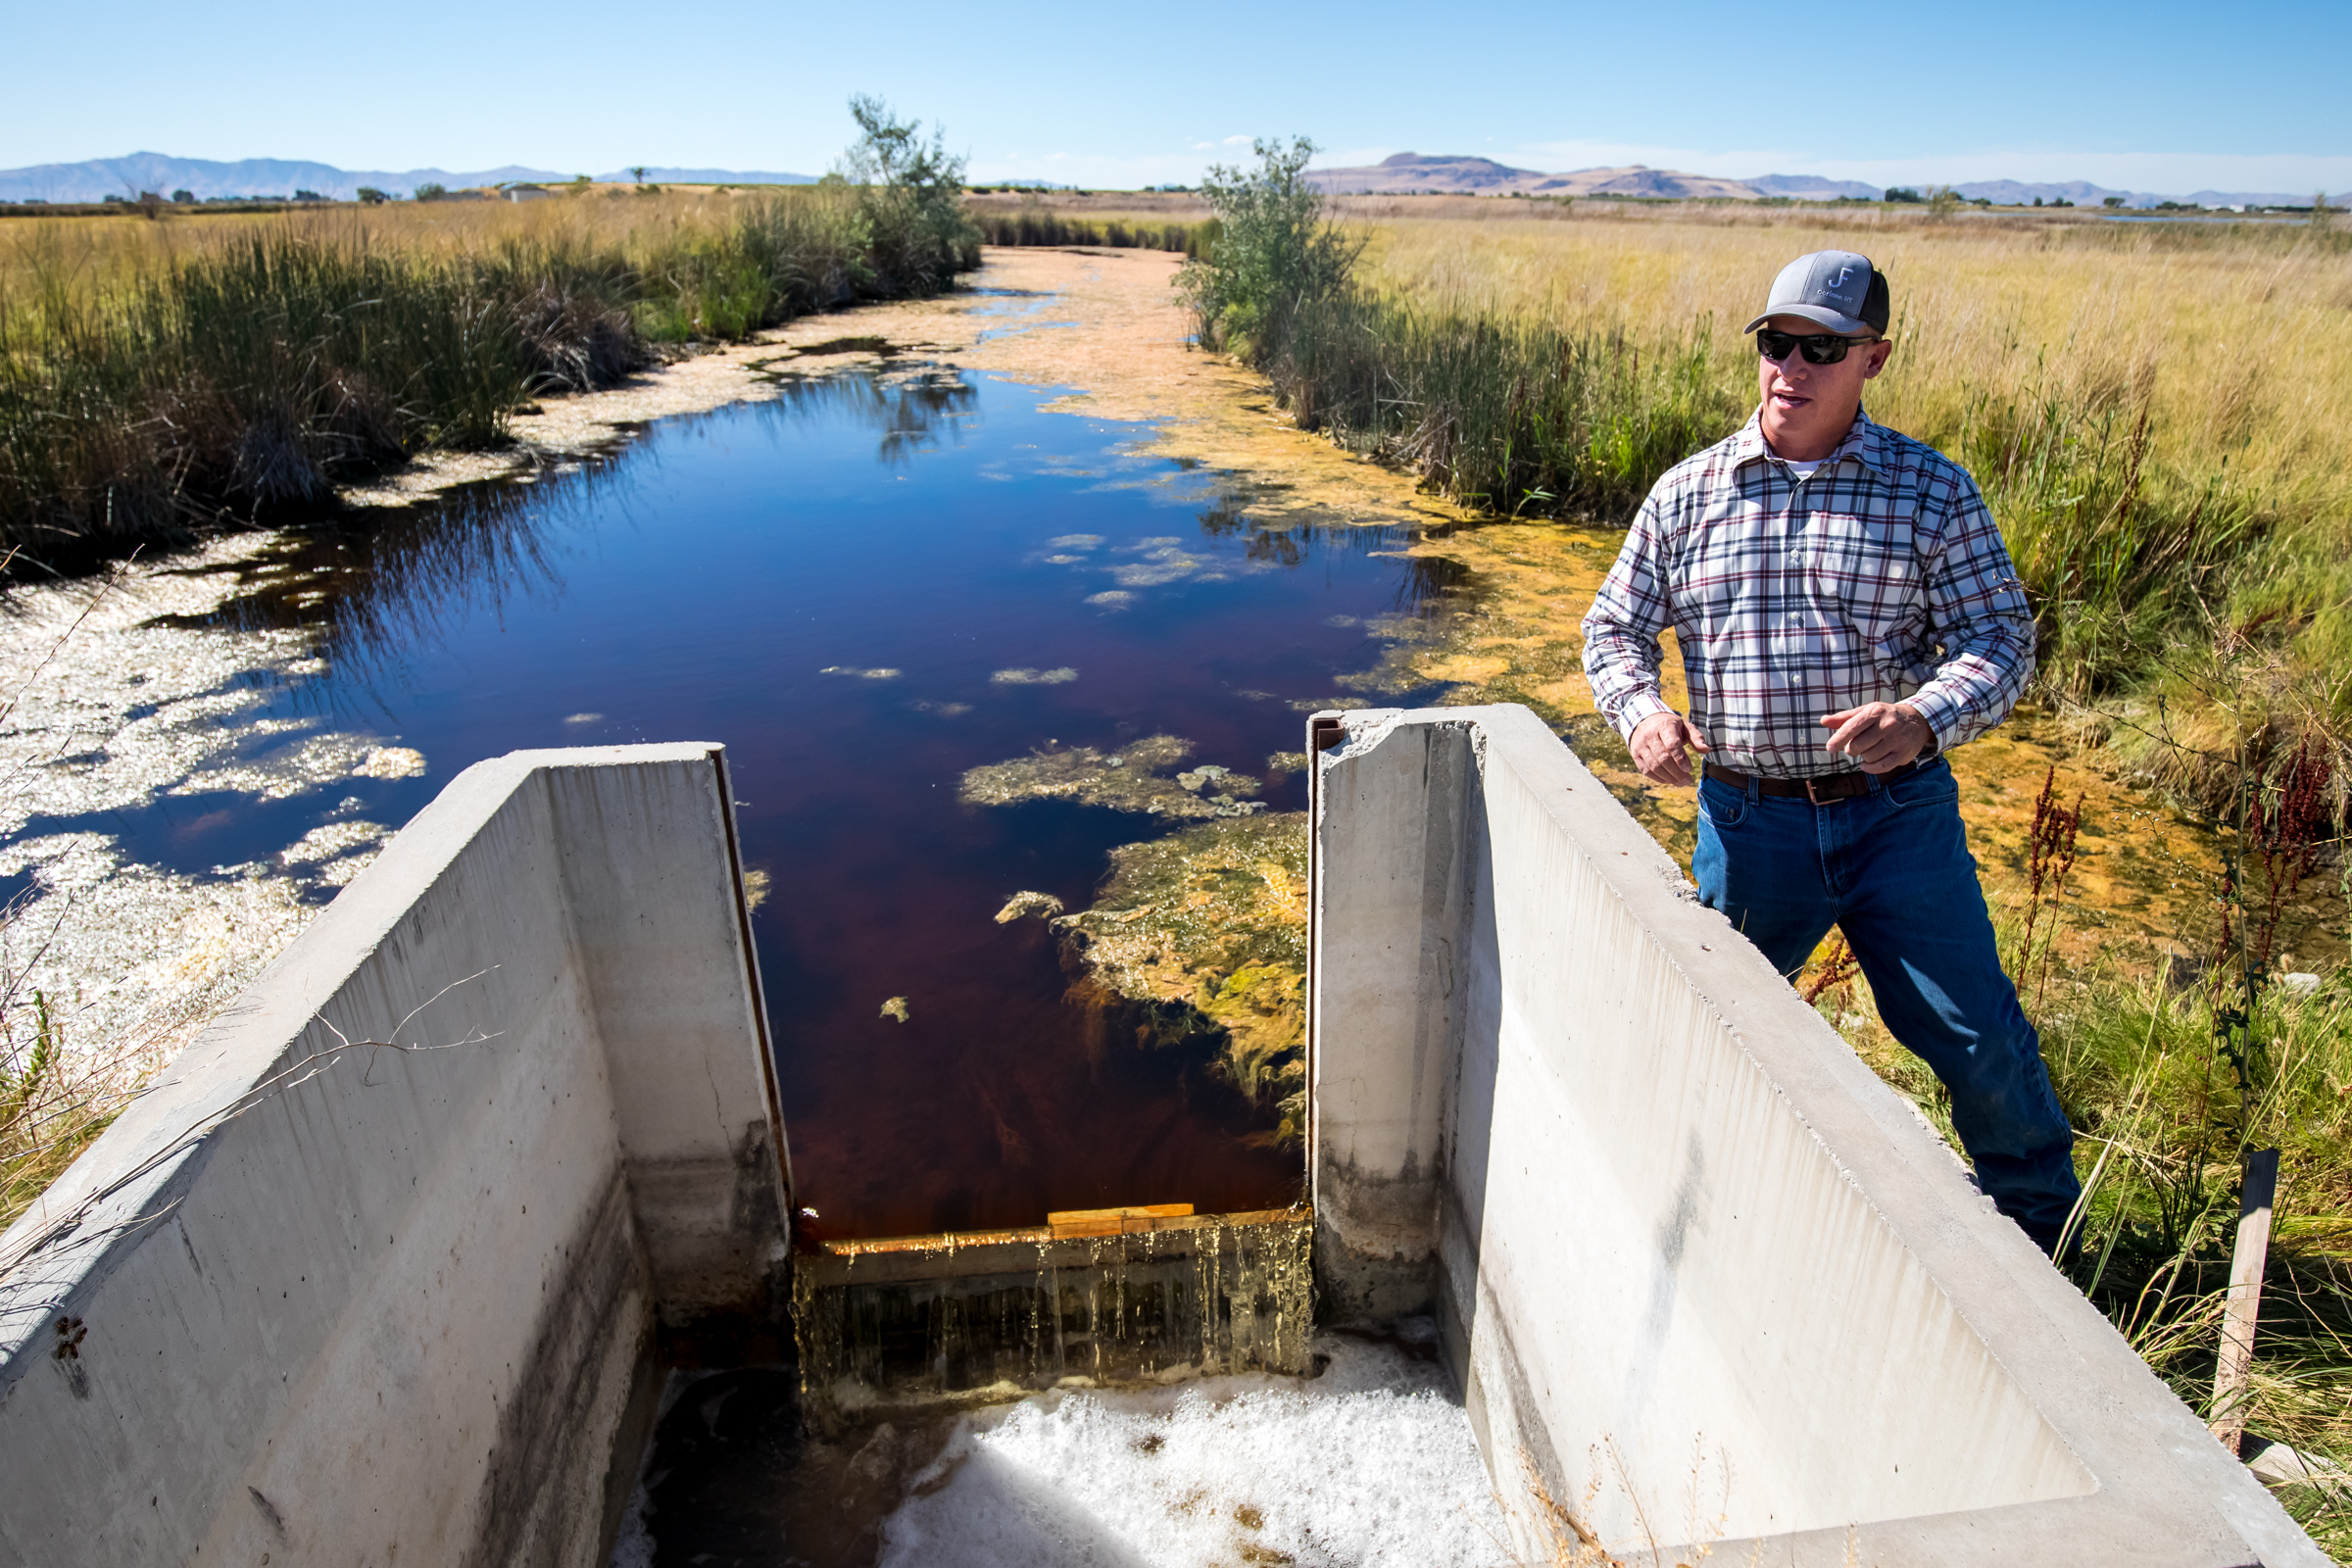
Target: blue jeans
{"x":1893,"y":872}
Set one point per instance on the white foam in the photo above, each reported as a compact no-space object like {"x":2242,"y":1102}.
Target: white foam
{"x":1371,"y":1465}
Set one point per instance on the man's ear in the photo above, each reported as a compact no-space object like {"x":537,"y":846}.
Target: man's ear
{"x":1879,"y":352}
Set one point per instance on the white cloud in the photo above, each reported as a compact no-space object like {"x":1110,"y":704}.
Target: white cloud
{"x":1237,"y":141}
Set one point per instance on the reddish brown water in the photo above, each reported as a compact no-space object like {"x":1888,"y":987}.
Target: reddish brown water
{"x":699,"y":586}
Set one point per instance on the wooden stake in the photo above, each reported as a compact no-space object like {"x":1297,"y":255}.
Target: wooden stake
{"x":2233,"y":1378}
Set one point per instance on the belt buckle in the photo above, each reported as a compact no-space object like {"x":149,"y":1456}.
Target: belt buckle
{"x":1812,"y":795}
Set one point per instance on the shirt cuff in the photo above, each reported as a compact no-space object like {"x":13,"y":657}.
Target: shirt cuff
{"x":1633,"y":709}
{"x":1943,"y":713}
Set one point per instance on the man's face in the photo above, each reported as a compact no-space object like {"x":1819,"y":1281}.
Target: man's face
{"x":1809,"y":408}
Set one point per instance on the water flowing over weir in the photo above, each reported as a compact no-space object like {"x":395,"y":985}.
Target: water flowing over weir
{"x":1159,"y":1297}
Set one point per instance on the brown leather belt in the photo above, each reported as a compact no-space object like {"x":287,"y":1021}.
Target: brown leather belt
{"x":1819,"y":791}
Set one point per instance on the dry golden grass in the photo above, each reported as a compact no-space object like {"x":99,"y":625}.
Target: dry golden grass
{"x":89,"y":256}
{"x":2241,"y":336}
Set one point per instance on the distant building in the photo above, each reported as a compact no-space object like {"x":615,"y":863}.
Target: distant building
{"x":527,"y":193}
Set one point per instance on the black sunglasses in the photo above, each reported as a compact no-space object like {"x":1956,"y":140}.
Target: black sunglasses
{"x":1824,"y":348}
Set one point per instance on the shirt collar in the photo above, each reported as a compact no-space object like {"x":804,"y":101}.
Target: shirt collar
{"x":1865,"y":442}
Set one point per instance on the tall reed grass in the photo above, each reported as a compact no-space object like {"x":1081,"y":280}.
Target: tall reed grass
{"x":1042,"y":227}
{"x":151,"y":383}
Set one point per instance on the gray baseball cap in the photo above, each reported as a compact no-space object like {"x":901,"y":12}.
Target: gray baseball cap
{"x":1839,"y":289}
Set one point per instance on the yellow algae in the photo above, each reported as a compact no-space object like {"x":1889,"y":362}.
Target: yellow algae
{"x":895,"y":1007}
{"x":1214,"y":919}
{"x":1131,"y":779}
{"x":1045,"y":906}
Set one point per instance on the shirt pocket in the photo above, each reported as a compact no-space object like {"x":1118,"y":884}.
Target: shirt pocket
{"x":1871,"y":570}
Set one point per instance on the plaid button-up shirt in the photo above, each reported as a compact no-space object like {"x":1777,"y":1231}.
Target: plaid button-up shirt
{"x":1882,"y":578}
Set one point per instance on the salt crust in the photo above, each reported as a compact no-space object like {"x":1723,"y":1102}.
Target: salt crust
{"x":1371,"y":1465}
{"x":115,"y":711}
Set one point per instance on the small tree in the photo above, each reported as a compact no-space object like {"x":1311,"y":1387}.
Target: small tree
{"x":2322,"y":215}
{"x":183,"y":198}
{"x":911,"y":199}
{"x":2111,"y":201}
{"x":1273,"y":250}
{"x":372,"y":197}
{"x":637,"y":173}
{"x":432,"y":190}
{"x":1943,"y":202}
{"x":1903,"y":193}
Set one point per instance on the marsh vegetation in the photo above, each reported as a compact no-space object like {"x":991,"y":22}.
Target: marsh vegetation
{"x":154,"y":376}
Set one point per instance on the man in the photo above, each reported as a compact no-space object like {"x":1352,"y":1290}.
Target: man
{"x":1847,"y":615}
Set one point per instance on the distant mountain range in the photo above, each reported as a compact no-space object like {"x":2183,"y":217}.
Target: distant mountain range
{"x":101,"y":177}
{"x":1414,"y":172}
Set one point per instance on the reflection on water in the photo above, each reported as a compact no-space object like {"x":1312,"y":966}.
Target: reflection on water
{"x":912,"y":411}
{"x":382,"y":582}
{"x":868,"y":589}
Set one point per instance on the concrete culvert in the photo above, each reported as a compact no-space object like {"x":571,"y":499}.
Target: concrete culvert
{"x":1613,"y":1247}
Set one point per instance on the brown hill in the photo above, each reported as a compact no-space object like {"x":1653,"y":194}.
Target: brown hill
{"x":1455,"y":174}
{"x":1411,"y":171}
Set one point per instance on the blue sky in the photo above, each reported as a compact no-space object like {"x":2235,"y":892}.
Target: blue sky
{"x":2149,"y":95}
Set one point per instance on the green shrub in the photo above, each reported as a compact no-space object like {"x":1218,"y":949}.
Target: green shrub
{"x":1274,"y":252}
{"x":1513,"y":413}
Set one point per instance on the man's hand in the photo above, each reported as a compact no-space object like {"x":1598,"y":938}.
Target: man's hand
{"x":1659,"y":743}
{"x":1881,"y":736}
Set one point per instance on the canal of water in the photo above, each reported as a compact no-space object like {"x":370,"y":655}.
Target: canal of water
{"x":864,"y":589}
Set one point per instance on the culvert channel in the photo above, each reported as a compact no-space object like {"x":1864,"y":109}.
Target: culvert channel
{"x":1610,"y":1239}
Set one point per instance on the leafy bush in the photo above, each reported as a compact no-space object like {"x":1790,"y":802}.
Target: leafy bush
{"x":1274,"y":254}
{"x":1516,"y":414}
{"x":916,"y":235}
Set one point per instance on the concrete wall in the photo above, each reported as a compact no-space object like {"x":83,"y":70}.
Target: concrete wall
{"x":304,"y":1304}
{"x":1673,"y":1228}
